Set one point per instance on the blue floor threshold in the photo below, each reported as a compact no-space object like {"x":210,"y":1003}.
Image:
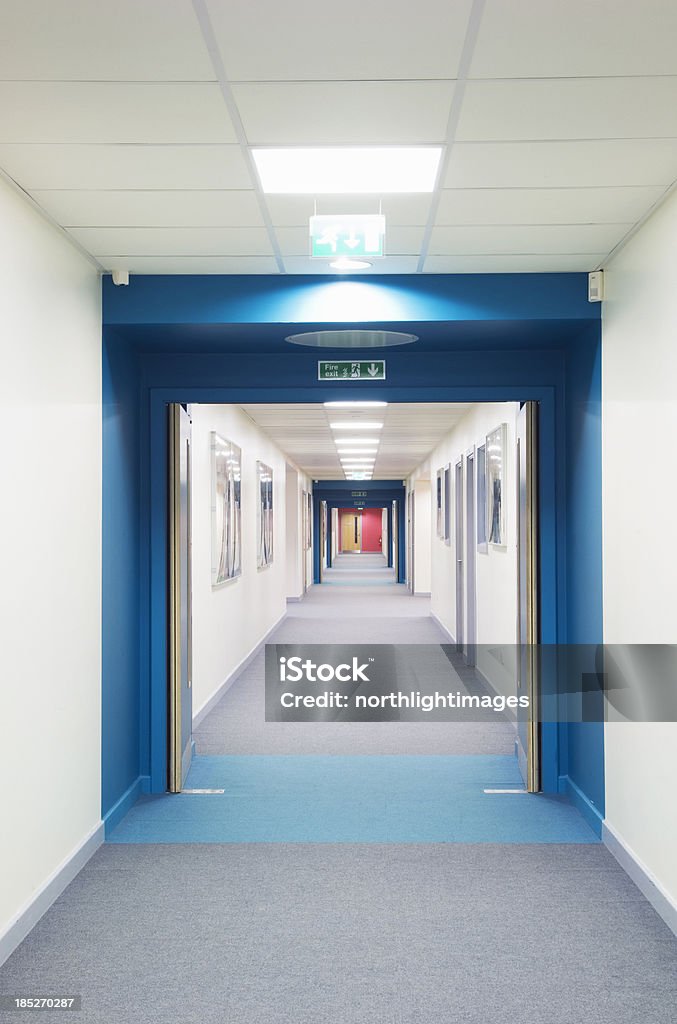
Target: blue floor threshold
{"x":356,"y":799}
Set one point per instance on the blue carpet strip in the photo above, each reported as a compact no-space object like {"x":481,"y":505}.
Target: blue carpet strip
{"x":356,"y":799}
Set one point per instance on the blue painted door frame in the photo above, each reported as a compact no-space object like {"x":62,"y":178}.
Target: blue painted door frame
{"x":156,"y":715}
{"x":339,"y":494}
{"x":483,"y":338}
{"x":343,"y":504}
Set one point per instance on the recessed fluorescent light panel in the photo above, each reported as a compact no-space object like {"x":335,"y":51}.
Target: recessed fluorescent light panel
{"x":354,"y":405}
{"x":347,"y":170}
{"x":350,"y":425}
{"x":357,"y":440}
{"x":357,"y":451}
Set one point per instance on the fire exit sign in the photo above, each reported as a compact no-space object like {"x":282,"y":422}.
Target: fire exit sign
{"x":341,"y":235}
{"x":346,"y":369}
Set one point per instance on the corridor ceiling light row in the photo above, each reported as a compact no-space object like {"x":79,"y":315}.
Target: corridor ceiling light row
{"x":341,"y":170}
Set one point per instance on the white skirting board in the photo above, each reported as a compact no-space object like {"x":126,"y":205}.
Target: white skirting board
{"x":662,"y":902}
{"x":200,"y":715}
{"x":28,"y":916}
{"x":452,"y":640}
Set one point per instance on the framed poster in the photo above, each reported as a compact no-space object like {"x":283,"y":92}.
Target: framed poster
{"x":309,"y":520}
{"x":440,"y":503}
{"x":481,"y":471}
{"x":447,"y":505}
{"x":226,"y":486}
{"x":264,"y":515}
{"x":495,"y":463}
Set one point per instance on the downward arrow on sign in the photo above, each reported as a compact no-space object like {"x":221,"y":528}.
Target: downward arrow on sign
{"x":352,"y":241}
{"x":372,"y":370}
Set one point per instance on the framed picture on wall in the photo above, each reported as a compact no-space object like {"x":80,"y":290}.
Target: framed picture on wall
{"x":496,"y":443}
{"x":308,"y":518}
{"x":440,"y":503}
{"x":226,"y":487}
{"x":481,"y":472}
{"x":264,"y":515}
{"x":447,"y":504}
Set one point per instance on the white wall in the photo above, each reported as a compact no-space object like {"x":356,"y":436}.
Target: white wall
{"x":639,"y":427}
{"x":293,"y":533}
{"x":50,"y":552}
{"x":231,"y":620}
{"x":496,"y":612}
{"x":422,"y":536}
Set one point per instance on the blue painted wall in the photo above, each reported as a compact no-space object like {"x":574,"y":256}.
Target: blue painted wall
{"x":584,"y":768}
{"x":485,"y":338}
{"x":121,"y":703}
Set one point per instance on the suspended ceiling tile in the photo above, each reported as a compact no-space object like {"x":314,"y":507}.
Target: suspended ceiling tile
{"x":404,"y":241}
{"x":528,"y":239}
{"x":524,"y":39}
{"x":381,"y":39}
{"x":513,"y":264}
{"x":125,"y":40}
{"x":388,"y":265}
{"x":294,"y":241}
{"x":125,"y":167}
{"x":191,"y":264}
{"x":292,"y":211}
{"x":141,"y":112}
{"x":171,"y":208}
{"x":562,"y":164}
{"x":344,"y":113}
{"x":545,"y":206}
{"x":174,"y":241}
{"x":584,"y":108}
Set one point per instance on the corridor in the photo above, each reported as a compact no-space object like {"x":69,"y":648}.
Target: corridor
{"x":326,"y":884}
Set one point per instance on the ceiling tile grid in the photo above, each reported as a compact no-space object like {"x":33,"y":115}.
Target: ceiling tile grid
{"x":130,"y":126}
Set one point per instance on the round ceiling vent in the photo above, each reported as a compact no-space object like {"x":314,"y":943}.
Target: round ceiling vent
{"x":351,"y":339}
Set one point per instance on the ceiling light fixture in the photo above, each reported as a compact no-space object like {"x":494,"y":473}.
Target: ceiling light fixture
{"x":347,"y":169}
{"x":351,"y":339}
{"x":345,"y":264}
{"x":350,"y":425}
{"x":354,"y":405}
{"x":357,"y":440}
{"x":357,"y":451}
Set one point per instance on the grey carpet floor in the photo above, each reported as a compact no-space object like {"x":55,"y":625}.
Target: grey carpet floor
{"x":335,"y":615}
{"x":351,"y":934}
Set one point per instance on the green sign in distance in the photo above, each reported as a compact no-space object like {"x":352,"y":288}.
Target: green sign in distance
{"x":345,"y":369}
{"x":354,"y":235}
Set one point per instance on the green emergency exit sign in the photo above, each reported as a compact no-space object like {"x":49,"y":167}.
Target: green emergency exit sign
{"x":345,"y":369}
{"x":347,"y":235}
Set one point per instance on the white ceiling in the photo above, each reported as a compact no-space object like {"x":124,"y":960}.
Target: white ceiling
{"x":410,"y":432}
{"x":130,"y":124}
